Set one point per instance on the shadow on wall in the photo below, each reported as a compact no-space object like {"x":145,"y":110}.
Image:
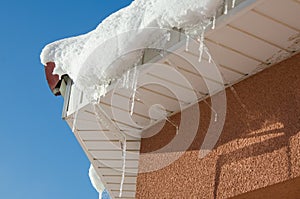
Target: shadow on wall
{"x":263,"y":118}
{"x":259,"y":145}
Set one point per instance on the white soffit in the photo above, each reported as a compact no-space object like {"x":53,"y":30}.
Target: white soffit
{"x":253,"y":36}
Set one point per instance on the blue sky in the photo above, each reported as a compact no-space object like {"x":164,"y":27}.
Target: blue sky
{"x":40,"y":157}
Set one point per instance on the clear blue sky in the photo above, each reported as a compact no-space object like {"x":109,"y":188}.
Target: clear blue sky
{"x":40,"y":157}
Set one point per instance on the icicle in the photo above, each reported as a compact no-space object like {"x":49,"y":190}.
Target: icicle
{"x":173,"y":124}
{"x":96,"y":97}
{"x":123,"y":81}
{"x":167,"y":39}
{"x":168,"y":35}
{"x":132,"y":103}
{"x":201,"y":46}
{"x":121,"y":136}
{"x":134,"y":77}
{"x":123,"y":146}
{"x":225,"y":7}
{"x":133,"y":87}
{"x":99,"y":91}
{"x":233,"y":4}
{"x":104,"y":122}
{"x":129,"y":81}
{"x":214,"y":22}
{"x":187,"y":43}
{"x":209,"y":55}
{"x":161,"y":53}
{"x":127,"y":78}
{"x":213,"y":110}
{"x":99,"y":118}
{"x":159,"y":111}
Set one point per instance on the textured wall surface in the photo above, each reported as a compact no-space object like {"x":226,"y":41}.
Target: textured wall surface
{"x":259,"y":145}
{"x":289,"y":189}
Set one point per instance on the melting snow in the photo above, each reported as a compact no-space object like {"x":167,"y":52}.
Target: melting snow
{"x":87,"y":58}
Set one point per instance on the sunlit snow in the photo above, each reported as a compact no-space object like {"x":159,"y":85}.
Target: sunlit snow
{"x":87,"y":58}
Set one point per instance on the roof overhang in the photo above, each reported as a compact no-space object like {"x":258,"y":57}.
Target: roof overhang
{"x":251,"y":37}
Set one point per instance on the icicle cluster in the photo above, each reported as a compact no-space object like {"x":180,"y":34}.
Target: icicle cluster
{"x":226,"y":5}
{"x":71,"y":55}
{"x":99,"y":91}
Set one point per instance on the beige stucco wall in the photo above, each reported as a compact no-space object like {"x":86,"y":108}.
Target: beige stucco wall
{"x":259,"y":145}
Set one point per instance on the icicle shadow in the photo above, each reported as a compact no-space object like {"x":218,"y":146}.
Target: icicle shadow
{"x":161,"y":113}
{"x":236,"y":95}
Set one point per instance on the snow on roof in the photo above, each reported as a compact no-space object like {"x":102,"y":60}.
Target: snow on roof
{"x":87,"y":58}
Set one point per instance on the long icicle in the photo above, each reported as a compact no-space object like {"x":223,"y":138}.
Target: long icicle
{"x":124,"y":148}
{"x":130,"y":83}
{"x":133,"y":88}
{"x":210,"y":60}
{"x":132,"y":102}
{"x":201,"y":46}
